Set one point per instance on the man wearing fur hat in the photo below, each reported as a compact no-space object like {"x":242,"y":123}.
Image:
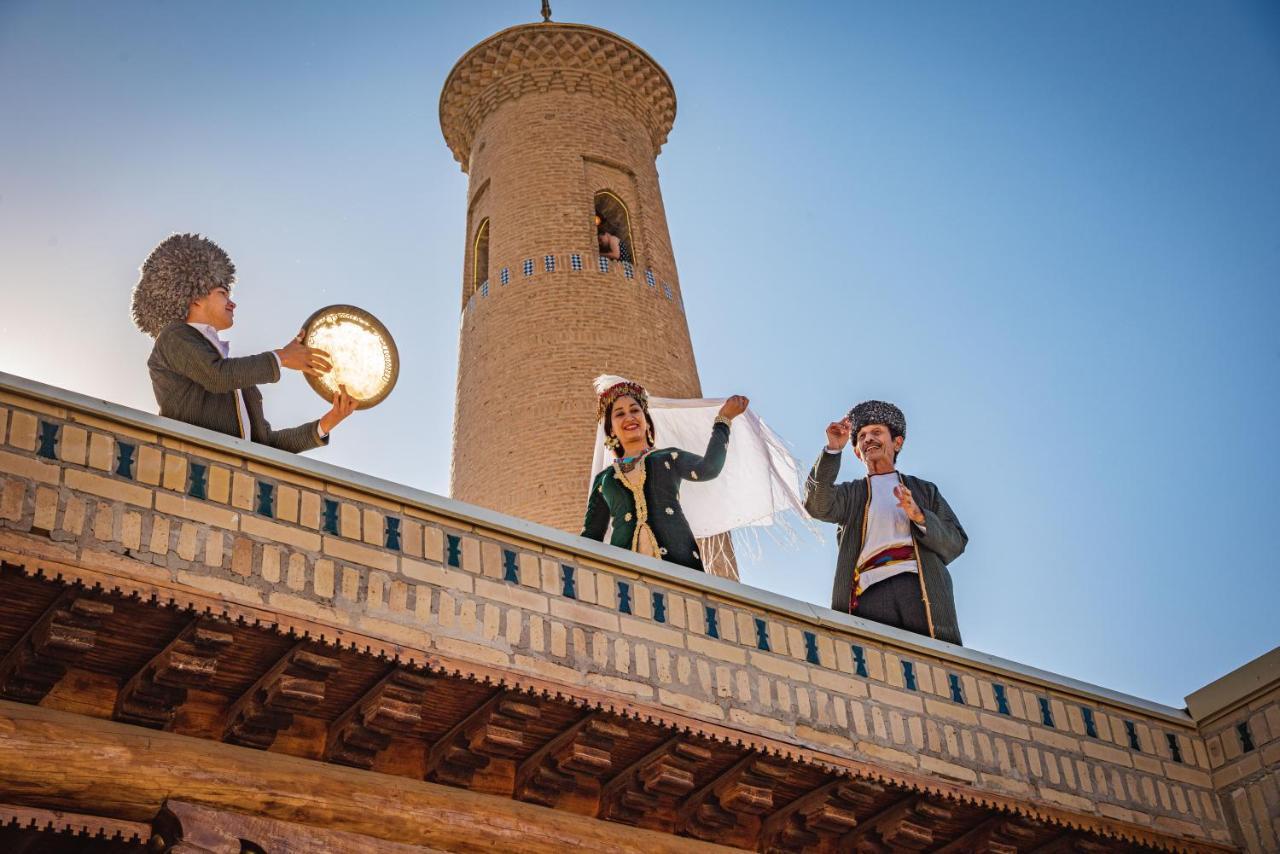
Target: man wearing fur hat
{"x":896,"y":533}
{"x":183,"y":300}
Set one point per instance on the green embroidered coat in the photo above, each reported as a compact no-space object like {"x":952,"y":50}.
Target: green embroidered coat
{"x":665,"y":469}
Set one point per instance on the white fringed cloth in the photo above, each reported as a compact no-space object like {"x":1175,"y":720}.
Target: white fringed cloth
{"x":759,"y":486}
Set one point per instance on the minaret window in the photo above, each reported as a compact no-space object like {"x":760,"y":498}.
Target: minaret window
{"x":480,"y":257}
{"x":613,"y":227}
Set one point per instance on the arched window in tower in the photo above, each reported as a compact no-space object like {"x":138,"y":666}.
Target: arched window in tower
{"x":613,"y":228}
{"x":480,"y":257}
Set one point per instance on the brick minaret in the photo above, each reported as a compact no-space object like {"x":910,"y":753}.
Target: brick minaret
{"x":555,"y":123}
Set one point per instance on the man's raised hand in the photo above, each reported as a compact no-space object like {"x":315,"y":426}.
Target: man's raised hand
{"x":838,"y":433}
{"x":299,"y":357}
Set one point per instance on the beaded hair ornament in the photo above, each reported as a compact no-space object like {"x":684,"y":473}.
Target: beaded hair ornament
{"x":609,"y":396}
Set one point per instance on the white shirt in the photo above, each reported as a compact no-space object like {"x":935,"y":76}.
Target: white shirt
{"x":887,"y":527}
{"x":224,"y":347}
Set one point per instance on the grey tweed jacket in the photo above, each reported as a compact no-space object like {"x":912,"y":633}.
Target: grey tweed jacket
{"x":195,"y":384}
{"x":942,"y":541}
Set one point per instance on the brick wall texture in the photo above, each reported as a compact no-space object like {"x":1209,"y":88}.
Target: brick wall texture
{"x":542,"y":118}
{"x":449,"y":587}
{"x":1247,"y":773}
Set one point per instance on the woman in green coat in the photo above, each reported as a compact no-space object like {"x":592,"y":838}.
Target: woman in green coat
{"x":640,"y":493}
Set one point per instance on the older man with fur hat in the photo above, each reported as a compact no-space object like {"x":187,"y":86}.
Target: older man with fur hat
{"x":896,"y":533}
{"x":183,"y":300}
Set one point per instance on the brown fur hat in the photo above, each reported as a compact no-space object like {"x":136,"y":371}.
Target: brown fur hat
{"x":181,"y":269}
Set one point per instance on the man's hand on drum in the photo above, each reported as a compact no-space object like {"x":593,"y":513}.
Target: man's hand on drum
{"x":343,"y":405}
{"x":299,"y":357}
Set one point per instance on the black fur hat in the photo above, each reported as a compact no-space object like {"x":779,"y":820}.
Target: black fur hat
{"x":181,"y":269}
{"x":878,"y":412}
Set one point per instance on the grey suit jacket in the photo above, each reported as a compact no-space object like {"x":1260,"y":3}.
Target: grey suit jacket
{"x":942,"y":541}
{"x":195,"y":384}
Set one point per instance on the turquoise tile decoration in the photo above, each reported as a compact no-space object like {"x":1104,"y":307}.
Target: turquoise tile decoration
{"x":1002,"y":699}
{"x":659,"y":607}
{"x":1131,"y":730}
{"x":329,"y":516}
{"x":48,"y":447}
{"x":266,"y":505}
{"x":811,"y":648}
{"x":198,"y":480}
{"x":1090,"y":725}
{"x":124,"y":459}
{"x":859,"y":660}
{"x":762,"y":635}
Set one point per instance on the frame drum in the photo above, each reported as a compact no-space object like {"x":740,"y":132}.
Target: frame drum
{"x":361,"y":350}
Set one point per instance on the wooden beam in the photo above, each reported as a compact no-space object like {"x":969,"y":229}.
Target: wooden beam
{"x":127,"y":773}
{"x":650,"y":787}
{"x":496,"y":729}
{"x":184,"y":828}
{"x":64,"y":634}
{"x":151,"y":697}
{"x":392,"y":708}
{"x":296,"y":683}
{"x":584,"y":750}
{"x":906,"y":825}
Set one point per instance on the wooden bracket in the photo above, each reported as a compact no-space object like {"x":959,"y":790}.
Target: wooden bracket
{"x":65,"y":632}
{"x":999,"y":834}
{"x":819,"y":817}
{"x":496,"y":729}
{"x":151,"y":697}
{"x":584,"y":750}
{"x":1076,"y":843}
{"x":907,"y":825}
{"x":391,"y":708}
{"x":649,"y":789}
{"x":296,"y":683}
{"x":746,"y":789}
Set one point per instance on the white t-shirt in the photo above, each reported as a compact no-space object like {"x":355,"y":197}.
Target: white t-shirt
{"x":887,"y":527}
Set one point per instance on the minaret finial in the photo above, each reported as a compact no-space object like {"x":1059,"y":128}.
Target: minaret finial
{"x":546,"y":11}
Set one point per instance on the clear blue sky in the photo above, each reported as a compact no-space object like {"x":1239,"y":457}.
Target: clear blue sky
{"x":1050,"y":232}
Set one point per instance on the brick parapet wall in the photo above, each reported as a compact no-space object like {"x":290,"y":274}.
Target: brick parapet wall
{"x":1239,"y":720}
{"x":474,"y":586}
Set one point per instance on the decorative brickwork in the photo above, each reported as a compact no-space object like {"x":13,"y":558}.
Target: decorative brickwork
{"x":801,"y":700}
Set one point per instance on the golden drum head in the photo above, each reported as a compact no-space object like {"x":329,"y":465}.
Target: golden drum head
{"x":361,"y":350}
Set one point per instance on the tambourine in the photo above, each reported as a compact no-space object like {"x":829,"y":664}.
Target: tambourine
{"x":361,"y":350}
